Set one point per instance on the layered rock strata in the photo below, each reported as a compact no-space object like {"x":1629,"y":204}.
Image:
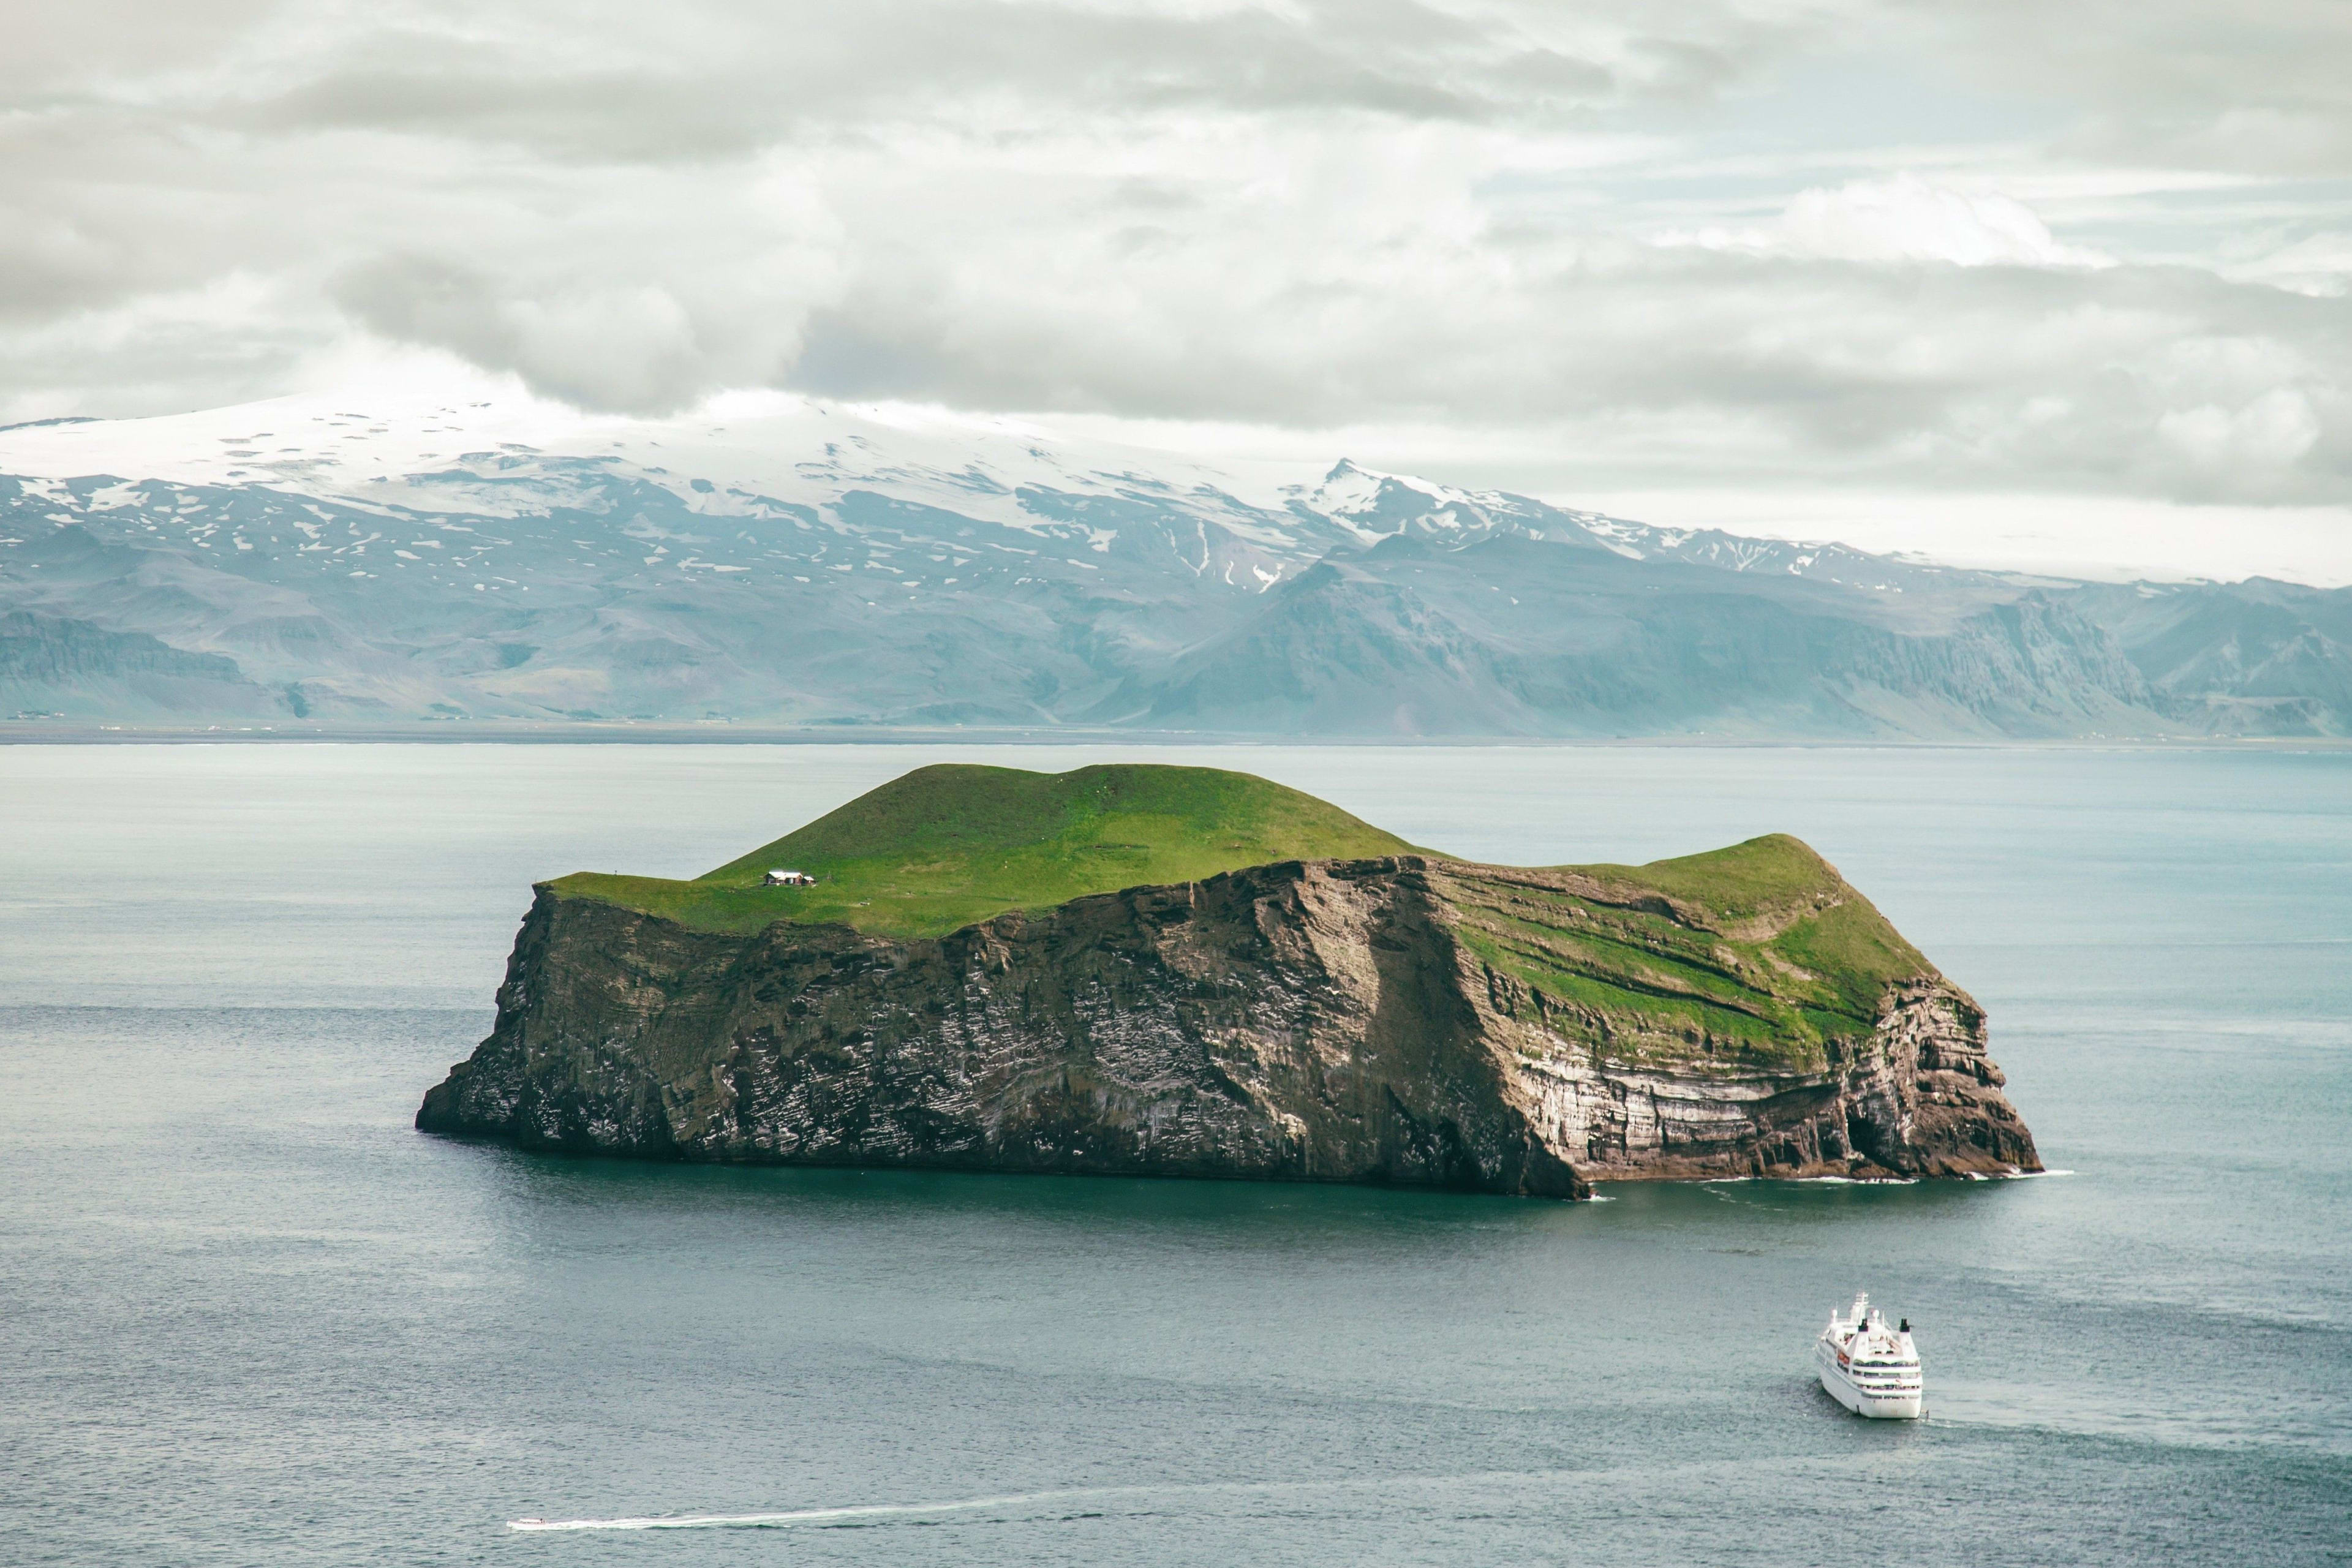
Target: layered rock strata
{"x":1383,"y":1020}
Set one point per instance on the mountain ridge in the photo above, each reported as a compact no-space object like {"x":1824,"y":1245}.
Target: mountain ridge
{"x":819,"y":567}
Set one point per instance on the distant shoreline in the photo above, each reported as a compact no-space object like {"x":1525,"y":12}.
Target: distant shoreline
{"x":38,"y":733}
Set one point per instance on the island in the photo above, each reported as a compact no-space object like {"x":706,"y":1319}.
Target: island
{"x":1159,"y":971}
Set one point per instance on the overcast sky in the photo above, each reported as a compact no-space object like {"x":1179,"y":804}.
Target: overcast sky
{"x":1886,"y":265}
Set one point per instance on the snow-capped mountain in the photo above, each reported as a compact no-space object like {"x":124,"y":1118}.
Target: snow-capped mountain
{"x":416,"y":461}
{"x":786,"y":561}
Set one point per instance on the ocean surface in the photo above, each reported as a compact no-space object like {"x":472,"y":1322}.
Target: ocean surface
{"x":247,"y":1316}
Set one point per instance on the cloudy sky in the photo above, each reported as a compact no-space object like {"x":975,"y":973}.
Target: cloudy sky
{"x":2052,"y":281}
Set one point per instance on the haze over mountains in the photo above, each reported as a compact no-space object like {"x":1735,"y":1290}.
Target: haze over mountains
{"x":306,"y":564}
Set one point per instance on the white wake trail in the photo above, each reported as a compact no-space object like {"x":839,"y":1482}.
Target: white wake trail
{"x":810,"y":1515}
{"x":1059,"y":1497}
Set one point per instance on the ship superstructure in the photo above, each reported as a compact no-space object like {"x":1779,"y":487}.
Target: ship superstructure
{"x":1870,"y":1367}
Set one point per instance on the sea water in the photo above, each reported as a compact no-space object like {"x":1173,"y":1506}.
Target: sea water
{"x":248,"y":1316}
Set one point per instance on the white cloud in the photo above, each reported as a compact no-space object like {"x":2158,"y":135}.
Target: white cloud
{"x":2258,"y":88}
{"x":2317,"y":264}
{"x":2271,"y":431}
{"x":1277,"y":216}
{"x":1901,"y":219}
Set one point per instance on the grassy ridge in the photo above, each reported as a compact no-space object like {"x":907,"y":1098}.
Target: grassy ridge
{"x":1760,"y":952}
{"x":944,"y":846}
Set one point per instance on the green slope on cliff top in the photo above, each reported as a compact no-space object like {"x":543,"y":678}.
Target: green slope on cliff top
{"x":1758,"y":952}
{"x":1753,"y":953}
{"x":944,"y":846}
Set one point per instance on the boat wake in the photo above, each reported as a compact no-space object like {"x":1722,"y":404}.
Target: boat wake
{"x":818,"y":1515}
{"x":1067,"y":1503}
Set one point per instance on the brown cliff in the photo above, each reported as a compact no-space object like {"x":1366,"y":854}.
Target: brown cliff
{"x":1401,"y":1020}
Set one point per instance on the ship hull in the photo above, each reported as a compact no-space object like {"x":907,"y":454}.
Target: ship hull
{"x":1876,"y":1406}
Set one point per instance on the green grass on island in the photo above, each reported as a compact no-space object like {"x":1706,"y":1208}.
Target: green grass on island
{"x":1759,"y":951}
{"x":944,"y":846}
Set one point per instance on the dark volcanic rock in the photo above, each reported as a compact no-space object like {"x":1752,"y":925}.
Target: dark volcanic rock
{"x":1314,"y":1021}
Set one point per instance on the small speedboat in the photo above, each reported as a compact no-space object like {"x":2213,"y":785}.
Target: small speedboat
{"x":1871,"y":1368}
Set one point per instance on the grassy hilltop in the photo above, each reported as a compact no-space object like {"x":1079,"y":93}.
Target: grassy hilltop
{"x":1761,"y":950}
{"x":944,"y":846}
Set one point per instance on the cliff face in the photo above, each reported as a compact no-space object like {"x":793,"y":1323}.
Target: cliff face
{"x":57,"y":664}
{"x":1380,"y":1020}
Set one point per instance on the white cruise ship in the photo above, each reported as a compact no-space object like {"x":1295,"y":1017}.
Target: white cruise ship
{"x":1870,"y":1368}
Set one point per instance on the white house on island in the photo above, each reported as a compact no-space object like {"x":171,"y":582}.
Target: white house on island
{"x":789,"y":879}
